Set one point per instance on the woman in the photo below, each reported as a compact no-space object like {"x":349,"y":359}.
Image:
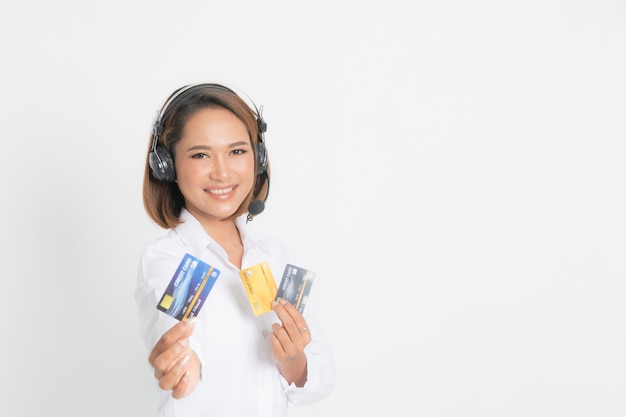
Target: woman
{"x":207,"y":175}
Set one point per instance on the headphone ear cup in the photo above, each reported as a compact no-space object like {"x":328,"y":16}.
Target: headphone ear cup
{"x":261,"y":158}
{"x":162,"y":165}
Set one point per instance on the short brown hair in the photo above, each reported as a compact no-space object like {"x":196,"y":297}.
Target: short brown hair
{"x":163,"y":200}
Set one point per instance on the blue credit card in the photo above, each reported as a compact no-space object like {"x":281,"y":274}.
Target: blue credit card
{"x":188,"y":289}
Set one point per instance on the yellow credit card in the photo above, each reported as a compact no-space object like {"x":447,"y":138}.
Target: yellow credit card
{"x":260,"y":287}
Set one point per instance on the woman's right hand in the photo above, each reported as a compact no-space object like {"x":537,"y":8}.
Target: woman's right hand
{"x":176,"y":365}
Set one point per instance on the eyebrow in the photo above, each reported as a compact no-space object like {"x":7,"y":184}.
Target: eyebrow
{"x":232,"y":145}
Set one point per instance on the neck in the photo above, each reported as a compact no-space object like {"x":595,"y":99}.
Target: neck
{"x":226,"y":234}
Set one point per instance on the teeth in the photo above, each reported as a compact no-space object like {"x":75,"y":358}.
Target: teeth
{"x":222,"y":191}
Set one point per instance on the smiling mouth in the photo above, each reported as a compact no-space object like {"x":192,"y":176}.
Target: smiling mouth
{"x":221,"y":191}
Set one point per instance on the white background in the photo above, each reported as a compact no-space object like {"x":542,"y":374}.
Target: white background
{"x":454,"y":171}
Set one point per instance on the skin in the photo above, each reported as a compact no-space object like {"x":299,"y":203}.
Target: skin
{"x":215,"y":172}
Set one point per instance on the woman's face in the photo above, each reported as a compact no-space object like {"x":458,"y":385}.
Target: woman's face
{"x":214,"y":164}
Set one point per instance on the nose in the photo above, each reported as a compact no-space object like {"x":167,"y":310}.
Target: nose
{"x":220,"y":168}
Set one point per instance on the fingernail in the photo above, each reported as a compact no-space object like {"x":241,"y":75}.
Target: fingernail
{"x":184,"y":361}
{"x":283,"y":301}
{"x":191,"y":321}
{"x":183,"y":342}
{"x":274,"y":303}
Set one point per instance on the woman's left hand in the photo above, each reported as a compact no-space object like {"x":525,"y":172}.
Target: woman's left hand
{"x":288,"y":342}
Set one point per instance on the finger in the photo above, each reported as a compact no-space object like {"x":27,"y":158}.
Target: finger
{"x":280,"y":333}
{"x":168,"y":358}
{"x":171,"y":378}
{"x":292,"y":338}
{"x":180,"y":332}
{"x":182,"y":387}
{"x":284,"y":347}
{"x":290,"y":343}
{"x":278,"y":352}
{"x":290,"y":317}
{"x":189,"y":378}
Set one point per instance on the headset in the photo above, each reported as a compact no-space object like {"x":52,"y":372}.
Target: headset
{"x":160,"y":159}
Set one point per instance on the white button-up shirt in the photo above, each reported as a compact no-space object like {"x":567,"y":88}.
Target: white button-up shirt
{"x":239,"y":377}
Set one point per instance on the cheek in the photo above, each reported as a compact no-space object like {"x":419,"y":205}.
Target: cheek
{"x":188,"y":173}
{"x":246,"y":167}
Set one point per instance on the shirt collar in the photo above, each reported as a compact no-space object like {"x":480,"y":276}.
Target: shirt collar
{"x":193,"y":234}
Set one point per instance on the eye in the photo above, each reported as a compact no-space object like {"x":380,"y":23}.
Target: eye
{"x":239,"y":151}
{"x":199,"y":155}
